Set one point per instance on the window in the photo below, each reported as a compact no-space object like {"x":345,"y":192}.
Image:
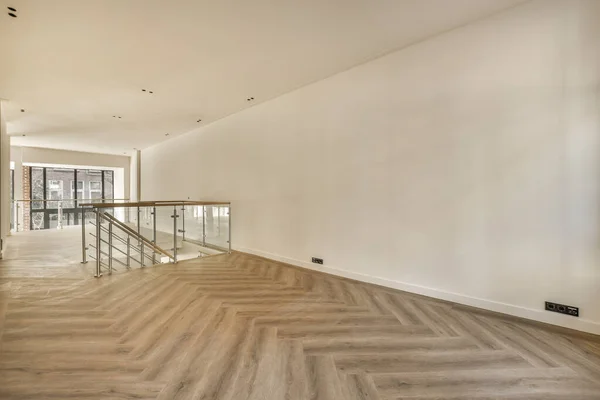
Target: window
{"x":108,"y":185}
{"x":95,"y":190}
{"x":62,"y":186}
{"x":57,"y":180}
{"x":37,"y":187}
{"x":55,"y":190}
{"x":79,"y":193}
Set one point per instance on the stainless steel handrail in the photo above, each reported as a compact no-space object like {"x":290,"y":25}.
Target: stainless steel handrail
{"x":113,"y":222}
{"x":137,"y":236}
{"x":108,"y":255}
{"x":121,"y":251}
{"x":157,"y":203}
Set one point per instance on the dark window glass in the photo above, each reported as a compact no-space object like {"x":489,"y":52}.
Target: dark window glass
{"x":37,"y":220}
{"x":94,"y":185}
{"x":108,"y":185}
{"x":37,"y":188}
{"x":58,"y":181}
{"x":60,"y":187}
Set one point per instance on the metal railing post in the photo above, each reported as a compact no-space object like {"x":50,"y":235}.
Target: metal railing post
{"x":154,"y":234}
{"x":17,"y":217}
{"x":141,"y":253}
{"x":98,"y":242}
{"x":83,"y":247}
{"x":128,"y":249}
{"x":229,"y":229}
{"x":59,"y":224}
{"x":183,"y":222}
{"x":138,"y":223}
{"x":204,"y":225}
{"x":174,"y":234}
{"x":110,"y":247}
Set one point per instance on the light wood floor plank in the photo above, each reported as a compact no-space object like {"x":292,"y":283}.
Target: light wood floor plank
{"x":239,"y":327}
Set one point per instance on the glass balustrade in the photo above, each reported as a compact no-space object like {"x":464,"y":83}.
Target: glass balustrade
{"x":39,"y":214}
{"x":123,"y":235}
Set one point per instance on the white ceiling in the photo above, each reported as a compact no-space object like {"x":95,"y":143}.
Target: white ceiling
{"x":73,"y":64}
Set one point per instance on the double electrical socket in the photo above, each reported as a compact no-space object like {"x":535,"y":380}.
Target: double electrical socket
{"x":562,"y":309}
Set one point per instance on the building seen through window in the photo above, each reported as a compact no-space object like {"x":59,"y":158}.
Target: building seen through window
{"x":56,"y":186}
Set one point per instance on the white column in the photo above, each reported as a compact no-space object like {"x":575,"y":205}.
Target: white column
{"x":135,"y":176}
{"x":4,"y":181}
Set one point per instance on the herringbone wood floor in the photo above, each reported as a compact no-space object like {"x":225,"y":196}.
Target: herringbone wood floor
{"x":241,"y":327}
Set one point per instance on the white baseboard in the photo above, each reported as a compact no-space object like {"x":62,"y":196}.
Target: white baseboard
{"x":510,"y":309}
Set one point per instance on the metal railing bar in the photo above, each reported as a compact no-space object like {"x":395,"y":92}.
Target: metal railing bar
{"x":114,"y":247}
{"x":114,"y":234}
{"x":207,"y":245}
{"x":113,"y":258}
{"x":146,"y":241}
{"x":102,"y":265}
{"x":131,"y":247}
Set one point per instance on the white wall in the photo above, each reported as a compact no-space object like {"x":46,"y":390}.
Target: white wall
{"x":465,"y":167}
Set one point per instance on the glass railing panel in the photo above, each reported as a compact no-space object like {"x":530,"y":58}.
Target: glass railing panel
{"x":121,"y":213}
{"x":52,"y":214}
{"x":37,"y":220}
{"x":184,"y":230}
{"x":146,"y":221}
{"x":165,"y":228}
{"x":13,"y":217}
{"x":217,"y":226}
{"x":193,"y":223}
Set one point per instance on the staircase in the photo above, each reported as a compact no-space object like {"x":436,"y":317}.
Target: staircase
{"x":120,"y":238}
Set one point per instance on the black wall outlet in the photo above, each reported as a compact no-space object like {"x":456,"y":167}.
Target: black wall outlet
{"x":317,"y":260}
{"x":562,"y":309}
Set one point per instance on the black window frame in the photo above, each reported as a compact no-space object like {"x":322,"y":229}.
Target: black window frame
{"x":72,"y":212}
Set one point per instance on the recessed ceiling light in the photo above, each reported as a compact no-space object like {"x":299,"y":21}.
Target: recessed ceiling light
{"x":166,"y":134}
{"x":12,"y":9}
{"x":143,"y":90}
{"x":150,"y":92}
{"x":13,"y":15}
{"x":22,"y":110}
{"x":199,"y":120}
{"x":23,"y":135}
